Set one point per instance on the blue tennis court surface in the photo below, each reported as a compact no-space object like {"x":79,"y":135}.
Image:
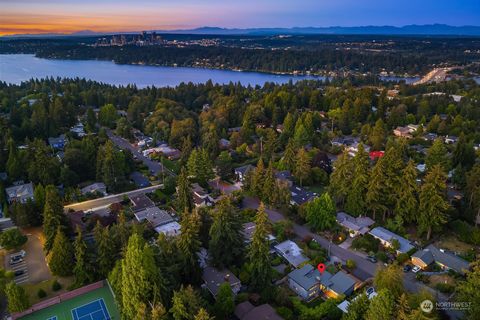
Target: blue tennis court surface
{"x":95,"y":310}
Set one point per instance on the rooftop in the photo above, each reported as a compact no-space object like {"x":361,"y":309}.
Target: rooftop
{"x":291,"y":252}
{"x":213,"y":278}
{"x":20,"y":192}
{"x":307,"y":276}
{"x":447,"y":259}
{"x":388,"y":236}
{"x":140,"y":202}
{"x":359,"y":224}
{"x":247,"y":311}
{"x":154,"y":215}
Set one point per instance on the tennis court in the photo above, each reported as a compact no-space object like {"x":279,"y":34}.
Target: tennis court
{"x":95,"y":310}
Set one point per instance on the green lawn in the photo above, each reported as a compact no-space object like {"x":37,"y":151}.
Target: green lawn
{"x":63,"y":310}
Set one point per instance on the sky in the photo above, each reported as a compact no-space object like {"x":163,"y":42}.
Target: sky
{"x":66,"y":16}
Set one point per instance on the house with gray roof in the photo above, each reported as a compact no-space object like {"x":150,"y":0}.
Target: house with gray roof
{"x":154,"y":215}
{"x":446,"y":260}
{"x":300,"y":195}
{"x":291,"y":252}
{"x":387,"y":238}
{"x":309,"y":283}
{"x":213,"y":278}
{"x":19,"y":192}
{"x":241,"y":172}
{"x":355,"y":226}
{"x":247,"y":311}
{"x":57,"y":142}
{"x":97,"y":187}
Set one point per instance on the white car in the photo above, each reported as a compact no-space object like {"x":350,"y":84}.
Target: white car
{"x":415,"y":269}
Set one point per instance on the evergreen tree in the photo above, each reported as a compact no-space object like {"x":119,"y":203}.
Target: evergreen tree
{"x":203,"y":315}
{"x":105,"y":249}
{"x":224,"y":165}
{"x":60,"y":258}
{"x":357,"y":308}
{"x":341,"y":177}
{"x":224,"y":303}
{"x":375,"y":197}
{"x":320,"y":212}
{"x":226,"y":237}
{"x":17,"y":298}
{"x":407,"y":203}
{"x":257,"y":179}
{"x":142,"y":281}
{"x":14,"y":165}
{"x":186,"y":303}
{"x":467,"y":290}
{"x":382,"y":306}
{"x":184,"y":198}
{"x":356,"y":195}
{"x":258,"y":252}
{"x":390,"y":279}
{"x":403,"y":308}
{"x":437,"y":154}
{"x":186,"y":150}
{"x":377,"y":137}
{"x":433,"y":205}
{"x":121,"y":232}
{"x":289,"y":157}
{"x":464,"y":153}
{"x":302,"y":166}
{"x":82,"y":269}
{"x":53,"y":216}
{"x":189,"y":245}
{"x":269,"y":184}
{"x":39,"y":197}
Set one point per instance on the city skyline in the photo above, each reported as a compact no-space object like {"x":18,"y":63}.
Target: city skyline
{"x":54,"y":16}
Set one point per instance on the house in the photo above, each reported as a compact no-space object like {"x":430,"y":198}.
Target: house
{"x":58,"y":142}
{"x":200,"y":196}
{"x":430,"y":137}
{"x":413,"y":127}
{"x":171,"y":229}
{"x":374,"y":155}
{"x":308,"y":283}
{"x":447,"y":261}
{"x":140,"y":202}
{"x":451,"y":139}
{"x":345,"y":303}
{"x":241,"y":172}
{"x":78,"y":130}
{"x":338,"y":284}
{"x":213,"y":278}
{"x":247,"y":311}
{"x":249,"y":229}
{"x":353,"y":148}
{"x":403,"y":132}
{"x":305,"y":282}
{"x":19,"y":192}
{"x":291,"y":252}
{"x":154,"y":215}
{"x":97,"y":187}
{"x":284,"y":176}
{"x":387,"y":237}
{"x":300,"y":195}
{"x":224,"y":144}
{"x":355,"y":226}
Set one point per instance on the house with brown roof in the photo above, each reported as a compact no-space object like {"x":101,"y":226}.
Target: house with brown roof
{"x":247,"y":311}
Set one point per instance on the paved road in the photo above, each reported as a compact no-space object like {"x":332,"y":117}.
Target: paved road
{"x":365,"y":269}
{"x":155,"y":167}
{"x":108,"y":200}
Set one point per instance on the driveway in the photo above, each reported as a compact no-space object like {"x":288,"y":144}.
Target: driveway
{"x":155,"y":167}
{"x":364,"y":270}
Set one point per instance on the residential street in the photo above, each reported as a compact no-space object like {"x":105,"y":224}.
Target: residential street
{"x":155,"y":167}
{"x":108,"y":200}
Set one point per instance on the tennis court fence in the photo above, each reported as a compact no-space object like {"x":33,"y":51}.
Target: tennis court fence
{"x":60,"y":298}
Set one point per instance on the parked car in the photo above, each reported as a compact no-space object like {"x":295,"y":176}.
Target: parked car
{"x":20,"y":253}
{"x":372,"y":259}
{"x":19,"y":273}
{"x":15,"y":260}
{"x":415,"y":269}
{"x":370,"y":291}
{"x":407,"y":268}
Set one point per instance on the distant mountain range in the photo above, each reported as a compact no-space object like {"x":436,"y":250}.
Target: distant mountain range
{"x":427,"y":29}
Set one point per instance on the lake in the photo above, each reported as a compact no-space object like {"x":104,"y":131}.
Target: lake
{"x":15,"y":68}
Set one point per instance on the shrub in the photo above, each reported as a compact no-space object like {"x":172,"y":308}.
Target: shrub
{"x":402,"y":258}
{"x":314,"y":245}
{"x":351,"y":264}
{"x":276,"y":261}
{"x":366,"y":243}
{"x":12,"y":239}
{"x":56,"y":285}
{"x":444,"y":287}
{"x":382,"y":256}
{"x":466,"y":232}
{"x":41,"y":293}
{"x":285,"y":313}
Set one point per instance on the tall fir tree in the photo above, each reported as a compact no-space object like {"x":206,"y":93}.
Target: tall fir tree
{"x":289,"y":157}
{"x":433,"y":205}
{"x":226,"y":236}
{"x":184,"y":197}
{"x":437,"y":154}
{"x":257,"y":179}
{"x":269,"y":184}
{"x":320,"y":212}
{"x":376,"y":198}
{"x":17,"y":298}
{"x":186,"y":303}
{"x":82,"y":269}
{"x":60,"y":258}
{"x":258,"y":252}
{"x":53,"y":216}
{"x":189,"y":246}
{"x":105,"y":249}
{"x":341,"y":177}
{"x":407,"y":195}
{"x":302,"y":166}
{"x":356,"y":195}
